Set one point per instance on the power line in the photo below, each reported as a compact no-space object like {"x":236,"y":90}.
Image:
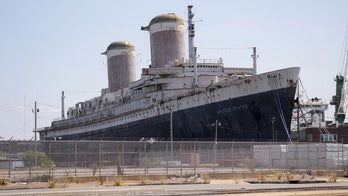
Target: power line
{"x":54,"y":106}
{"x":246,"y":48}
{"x":82,"y":91}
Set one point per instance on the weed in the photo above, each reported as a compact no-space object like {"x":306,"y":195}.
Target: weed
{"x":332,"y":177}
{"x":262,"y":177}
{"x":51,"y":184}
{"x":206,"y":179}
{"x":94,"y":168}
{"x":65,"y":185}
{"x":2,"y":181}
{"x":248,"y":162}
{"x":143,"y":180}
{"x":289,"y":176}
{"x":42,"y":178}
{"x":101,"y":180}
{"x":163,"y":182}
{"x":119,"y":170}
{"x":186,"y":177}
{"x":117,"y":182}
{"x":278,"y":175}
{"x":195,"y":179}
{"x":70,"y":179}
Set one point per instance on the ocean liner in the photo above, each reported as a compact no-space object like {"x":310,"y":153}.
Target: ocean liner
{"x":180,"y":98}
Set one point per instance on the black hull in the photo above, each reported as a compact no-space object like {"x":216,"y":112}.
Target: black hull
{"x":247,"y":118}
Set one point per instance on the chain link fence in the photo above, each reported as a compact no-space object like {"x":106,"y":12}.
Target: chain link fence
{"x":45,"y":159}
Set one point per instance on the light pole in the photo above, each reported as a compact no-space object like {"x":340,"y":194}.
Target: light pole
{"x":217,"y":123}
{"x":171,"y":133}
{"x":273,"y":120}
{"x":9,"y":160}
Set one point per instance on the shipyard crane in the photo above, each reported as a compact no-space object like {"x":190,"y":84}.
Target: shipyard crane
{"x":340,"y":99}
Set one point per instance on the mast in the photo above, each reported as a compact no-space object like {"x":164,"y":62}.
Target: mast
{"x":192,"y":49}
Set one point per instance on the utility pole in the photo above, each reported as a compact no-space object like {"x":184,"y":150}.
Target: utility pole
{"x":9,"y":159}
{"x":63,"y":112}
{"x":35,"y":130}
{"x":171,"y":132}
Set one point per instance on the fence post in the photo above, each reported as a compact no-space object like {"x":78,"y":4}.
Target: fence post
{"x":326,"y":165}
{"x":270,"y":157}
{"x":318,"y":165}
{"x":194,"y":159}
{"x":232,"y":156}
{"x":75,"y":158}
{"x":181,"y":150}
{"x":343,"y":165}
{"x":215,"y":152}
{"x":167,"y":160}
{"x":122,"y":158}
{"x":251,"y":154}
{"x":9,"y":159}
{"x":297,"y":156}
{"x":100,"y":157}
{"x":145,"y":159}
{"x":30,"y":163}
{"x":308,"y":157}
{"x":85,"y":159}
{"x":286,"y":155}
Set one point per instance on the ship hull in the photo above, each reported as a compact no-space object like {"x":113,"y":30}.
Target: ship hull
{"x":264,"y":116}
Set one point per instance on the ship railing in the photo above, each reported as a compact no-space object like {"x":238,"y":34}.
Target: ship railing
{"x":212,"y":63}
{"x":199,"y":61}
{"x":165,"y":71}
{"x":178,"y":96}
{"x":239,"y":71}
{"x":42,"y":129}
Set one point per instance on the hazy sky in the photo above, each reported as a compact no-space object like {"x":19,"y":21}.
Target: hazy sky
{"x":47,"y":46}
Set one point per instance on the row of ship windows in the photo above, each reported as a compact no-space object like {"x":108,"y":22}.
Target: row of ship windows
{"x":116,"y":120}
{"x":202,"y":66}
{"x":142,"y":114}
{"x":197,"y":100}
